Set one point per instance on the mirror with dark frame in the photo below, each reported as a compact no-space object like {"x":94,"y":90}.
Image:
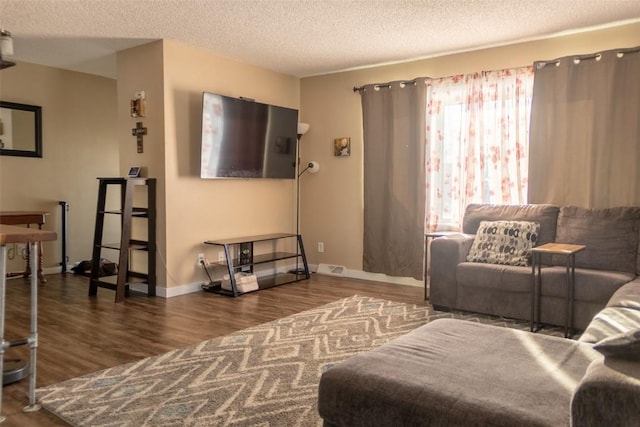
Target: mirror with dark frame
{"x":20,"y":130}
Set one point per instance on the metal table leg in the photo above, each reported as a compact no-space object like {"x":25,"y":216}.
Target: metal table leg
{"x":426,"y":267}
{"x":32,"y":340}
{"x":571,"y":280}
{"x":3,"y":343}
{"x":533,"y":291}
{"x":536,"y":285}
{"x":33,"y":335}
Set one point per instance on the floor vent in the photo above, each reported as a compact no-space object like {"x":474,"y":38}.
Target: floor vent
{"x":332,"y":270}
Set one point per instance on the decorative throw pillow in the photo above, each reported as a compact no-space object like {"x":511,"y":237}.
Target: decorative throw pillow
{"x":621,"y":346}
{"x":504,"y":242}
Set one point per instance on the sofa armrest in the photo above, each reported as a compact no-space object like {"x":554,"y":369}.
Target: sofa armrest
{"x":608,"y":394}
{"x":446,"y":253}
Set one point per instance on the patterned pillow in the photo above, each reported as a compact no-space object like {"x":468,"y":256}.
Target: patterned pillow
{"x":622,"y":346}
{"x":504,"y":242}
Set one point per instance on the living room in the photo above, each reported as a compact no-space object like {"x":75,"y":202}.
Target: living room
{"x":174,"y":76}
{"x":87,"y":134}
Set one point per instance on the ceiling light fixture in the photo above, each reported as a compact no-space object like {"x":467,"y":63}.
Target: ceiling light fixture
{"x":6,"y":43}
{"x":6,"y":49}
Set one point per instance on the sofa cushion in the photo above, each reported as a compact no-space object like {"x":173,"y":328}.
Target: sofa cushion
{"x":504,"y":242}
{"x":625,"y":345}
{"x":611,"y":321}
{"x":545,"y":215}
{"x":590,"y":285}
{"x":608,"y":395}
{"x":627,"y":296}
{"x":610,"y":235}
{"x":457,"y":373}
{"x":494,"y":276}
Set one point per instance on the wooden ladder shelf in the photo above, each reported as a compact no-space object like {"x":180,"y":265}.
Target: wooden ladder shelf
{"x":127,"y":211}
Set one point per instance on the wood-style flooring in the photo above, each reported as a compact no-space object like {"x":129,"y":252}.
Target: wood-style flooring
{"x":80,"y":334}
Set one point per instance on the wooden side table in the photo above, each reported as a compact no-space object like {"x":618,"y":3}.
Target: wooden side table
{"x":26,"y":218}
{"x":427,"y":261}
{"x":569,"y":251}
{"x":32,"y":237}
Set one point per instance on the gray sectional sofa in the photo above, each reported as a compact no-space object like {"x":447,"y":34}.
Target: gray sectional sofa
{"x":609,"y":261}
{"x":460,"y":373}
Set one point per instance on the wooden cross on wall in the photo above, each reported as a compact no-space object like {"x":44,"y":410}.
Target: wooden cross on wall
{"x":139,"y":132}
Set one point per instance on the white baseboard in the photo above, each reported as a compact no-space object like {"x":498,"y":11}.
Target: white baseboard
{"x":341,"y":271}
{"x":189,"y":288}
{"x":163,"y":292}
{"x":173,"y":291}
{"x":56,"y":270}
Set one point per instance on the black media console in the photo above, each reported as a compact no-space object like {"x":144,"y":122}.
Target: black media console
{"x":240,"y":258}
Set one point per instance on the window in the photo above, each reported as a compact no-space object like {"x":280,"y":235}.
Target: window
{"x":477,"y":128}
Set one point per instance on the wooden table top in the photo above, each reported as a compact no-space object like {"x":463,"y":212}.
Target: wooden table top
{"x":23,"y":217}
{"x":558,"y":248}
{"x":22,"y":213}
{"x":13,"y":234}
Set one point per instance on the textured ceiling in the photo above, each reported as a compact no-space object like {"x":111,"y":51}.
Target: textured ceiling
{"x":295,"y":37}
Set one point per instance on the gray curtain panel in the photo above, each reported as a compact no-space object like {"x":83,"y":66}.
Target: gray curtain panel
{"x":394,"y":178}
{"x":584,"y":141}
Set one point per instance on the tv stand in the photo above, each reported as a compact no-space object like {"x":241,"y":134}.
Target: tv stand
{"x":239,"y":257}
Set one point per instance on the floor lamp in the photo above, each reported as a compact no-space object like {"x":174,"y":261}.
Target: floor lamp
{"x":311,"y":167}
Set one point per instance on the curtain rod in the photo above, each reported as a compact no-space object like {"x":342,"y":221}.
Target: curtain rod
{"x":619,"y":53}
{"x":384,"y":85}
{"x":414,"y":81}
{"x":402,"y":82}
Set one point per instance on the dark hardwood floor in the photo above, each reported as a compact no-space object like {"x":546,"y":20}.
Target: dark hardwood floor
{"x":78,"y":334}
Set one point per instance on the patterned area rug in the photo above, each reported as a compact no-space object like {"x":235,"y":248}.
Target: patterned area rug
{"x":266,"y":375}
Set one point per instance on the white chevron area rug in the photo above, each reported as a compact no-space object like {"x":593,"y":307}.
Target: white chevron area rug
{"x":266,"y":375}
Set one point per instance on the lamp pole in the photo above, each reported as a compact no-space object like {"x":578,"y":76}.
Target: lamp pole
{"x":298,"y":187}
{"x":302,"y":129}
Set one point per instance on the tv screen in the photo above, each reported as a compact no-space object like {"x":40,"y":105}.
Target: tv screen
{"x":246,"y":139}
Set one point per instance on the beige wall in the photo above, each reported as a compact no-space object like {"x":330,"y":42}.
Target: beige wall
{"x":79,"y":144}
{"x":191,"y":209}
{"x":332,"y":199}
{"x":140,"y":69}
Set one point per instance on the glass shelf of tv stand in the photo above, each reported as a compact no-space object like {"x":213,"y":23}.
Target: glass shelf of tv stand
{"x":235,"y":264}
{"x":249,"y":239}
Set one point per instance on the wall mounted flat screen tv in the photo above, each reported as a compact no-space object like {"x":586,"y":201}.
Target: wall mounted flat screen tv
{"x":247,"y":139}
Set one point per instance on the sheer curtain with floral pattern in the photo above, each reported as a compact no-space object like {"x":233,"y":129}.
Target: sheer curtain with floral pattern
{"x":477,"y":128}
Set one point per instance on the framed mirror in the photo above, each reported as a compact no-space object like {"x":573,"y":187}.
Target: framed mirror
{"x":20,"y":130}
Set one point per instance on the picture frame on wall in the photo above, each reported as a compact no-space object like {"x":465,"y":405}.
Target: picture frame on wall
{"x":342,"y":147}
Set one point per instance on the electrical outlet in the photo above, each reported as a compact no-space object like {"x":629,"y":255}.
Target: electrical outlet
{"x":320,"y":246}
{"x":201,"y":259}
{"x":221,"y":257}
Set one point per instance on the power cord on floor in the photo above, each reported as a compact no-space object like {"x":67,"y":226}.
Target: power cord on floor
{"x":211,"y":286}
{"x":206,"y":270}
